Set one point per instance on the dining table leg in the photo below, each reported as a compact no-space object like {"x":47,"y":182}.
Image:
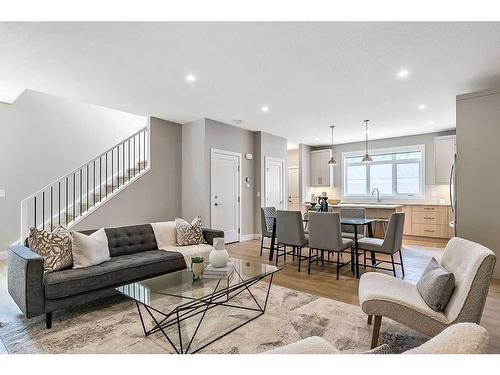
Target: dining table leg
{"x":370,"y":234}
{"x":356,"y":251}
{"x":273,"y":240}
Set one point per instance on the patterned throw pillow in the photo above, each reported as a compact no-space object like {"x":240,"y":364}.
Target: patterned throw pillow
{"x":189,"y":234}
{"x":54,"y":248}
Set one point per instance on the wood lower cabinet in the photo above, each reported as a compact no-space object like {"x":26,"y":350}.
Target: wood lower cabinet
{"x":427,"y":221}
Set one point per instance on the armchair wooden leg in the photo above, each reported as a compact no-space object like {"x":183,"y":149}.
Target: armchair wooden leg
{"x":48,"y":320}
{"x":369,"y":322}
{"x":376,"y":331}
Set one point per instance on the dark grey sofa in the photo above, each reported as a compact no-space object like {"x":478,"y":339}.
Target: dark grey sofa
{"x":134,"y":256}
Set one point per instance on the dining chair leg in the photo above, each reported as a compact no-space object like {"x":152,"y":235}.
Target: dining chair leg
{"x":323,"y":258}
{"x":393,"y":265}
{"x":369,"y":322}
{"x":309,"y":261}
{"x":402,"y":266}
{"x":261,"y":244}
{"x":299,"y":249}
{"x":293,"y":254}
{"x":364,"y":260}
{"x":277,"y":253}
{"x":338,"y":264}
{"x":376,"y":331}
{"x":284,"y":253}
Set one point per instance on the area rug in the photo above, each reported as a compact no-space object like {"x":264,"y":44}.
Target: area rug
{"x":113,"y":326}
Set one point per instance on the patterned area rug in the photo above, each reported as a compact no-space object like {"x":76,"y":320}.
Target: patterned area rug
{"x":113,"y":326}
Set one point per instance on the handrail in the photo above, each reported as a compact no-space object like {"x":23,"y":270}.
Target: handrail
{"x":84,"y":164}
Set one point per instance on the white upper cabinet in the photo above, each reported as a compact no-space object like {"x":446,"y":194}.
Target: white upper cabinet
{"x":321,"y":171}
{"x":444,"y":156}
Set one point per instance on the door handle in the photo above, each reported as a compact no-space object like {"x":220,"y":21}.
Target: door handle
{"x":217,"y":204}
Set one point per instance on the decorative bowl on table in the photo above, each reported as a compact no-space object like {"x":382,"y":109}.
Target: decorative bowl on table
{"x":333,"y":201}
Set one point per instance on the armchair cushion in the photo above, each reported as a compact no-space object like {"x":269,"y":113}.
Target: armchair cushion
{"x":310,"y":345}
{"x":369,"y":243}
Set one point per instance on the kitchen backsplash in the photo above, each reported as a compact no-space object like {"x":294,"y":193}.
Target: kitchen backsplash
{"x":433,"y":195}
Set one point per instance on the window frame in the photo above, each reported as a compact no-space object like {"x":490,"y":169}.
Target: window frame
{"x":390,"y":150}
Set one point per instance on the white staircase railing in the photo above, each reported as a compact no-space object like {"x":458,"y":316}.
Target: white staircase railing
{"x":69,"y":199}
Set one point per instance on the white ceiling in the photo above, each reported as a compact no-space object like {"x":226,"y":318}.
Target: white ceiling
{"x":309,"y":74}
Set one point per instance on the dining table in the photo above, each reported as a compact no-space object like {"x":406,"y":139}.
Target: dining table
{"x":355,"y":222}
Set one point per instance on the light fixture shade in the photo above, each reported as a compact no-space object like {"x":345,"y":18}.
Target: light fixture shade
{"x":366,"y":159}
{"x":332,"y":161}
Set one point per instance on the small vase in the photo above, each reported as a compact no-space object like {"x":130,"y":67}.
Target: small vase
{"x":197,"y":269}
{"x":218,"y":256}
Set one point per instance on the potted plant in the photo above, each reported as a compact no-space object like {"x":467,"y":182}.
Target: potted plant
{"x":197,"y":266}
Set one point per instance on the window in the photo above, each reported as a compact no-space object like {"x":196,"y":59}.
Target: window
{"x":394,"y":172}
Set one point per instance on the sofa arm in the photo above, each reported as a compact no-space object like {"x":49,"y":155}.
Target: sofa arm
{"x":25,"y":280}
{"x":210,"y":234}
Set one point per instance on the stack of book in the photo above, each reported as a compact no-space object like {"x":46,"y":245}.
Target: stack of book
{"x":211,"y":272}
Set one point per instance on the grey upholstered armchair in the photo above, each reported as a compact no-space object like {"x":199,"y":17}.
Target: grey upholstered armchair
{"x":290,"y":232}
{"x":472,"y":265}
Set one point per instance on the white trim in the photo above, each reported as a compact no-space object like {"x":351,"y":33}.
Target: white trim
{"x":248,"y":237}
{"x":409,"y":148}
{"x":284,"y":176}
{"x":3,"y":255}
{"x":239,"y":156}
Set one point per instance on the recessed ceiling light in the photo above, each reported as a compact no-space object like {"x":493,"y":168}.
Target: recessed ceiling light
{"x":191,"y":78}
{"x":422,"y":106}
{"x":403,"y":73}
{"x":431,"y":122}
{"x":316,"y":138}
{"x":264,"y":108}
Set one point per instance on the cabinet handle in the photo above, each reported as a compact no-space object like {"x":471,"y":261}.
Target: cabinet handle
{"x":428,"y":230}
{"x":429,"y":218}
{"x":429,"y":208}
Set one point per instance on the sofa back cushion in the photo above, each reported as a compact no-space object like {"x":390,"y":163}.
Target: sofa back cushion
{"x":165,"y":233}
{"x":131,"y":239}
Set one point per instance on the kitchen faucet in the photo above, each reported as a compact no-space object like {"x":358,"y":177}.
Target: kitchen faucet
{"x":378,"y":194}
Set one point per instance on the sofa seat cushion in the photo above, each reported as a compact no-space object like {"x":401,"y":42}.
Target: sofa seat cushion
{"x":117,"y":271}
{"x":192,"y":250}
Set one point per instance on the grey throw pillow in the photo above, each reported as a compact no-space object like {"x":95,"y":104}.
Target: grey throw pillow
{"x":436,"y":285}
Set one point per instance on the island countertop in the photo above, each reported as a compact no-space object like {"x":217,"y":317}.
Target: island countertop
{"x":385,"y":206}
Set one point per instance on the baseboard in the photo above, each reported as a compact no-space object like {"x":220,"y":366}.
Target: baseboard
{"x":3,"y":255}
{"x":248,"y":237}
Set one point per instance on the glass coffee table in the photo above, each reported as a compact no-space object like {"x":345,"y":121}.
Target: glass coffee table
{"x":176,"y":305}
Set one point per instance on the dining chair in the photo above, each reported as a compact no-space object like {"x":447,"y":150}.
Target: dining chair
{"x":391,"y":244}
{"x":325,"y":234}
{"x":290,"y":232}
{"x":353,"y":213}
{"x":267,"y":217}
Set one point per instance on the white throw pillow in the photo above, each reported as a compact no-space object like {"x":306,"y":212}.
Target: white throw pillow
{"x":90,"y":250}
{"x":165,"y":234}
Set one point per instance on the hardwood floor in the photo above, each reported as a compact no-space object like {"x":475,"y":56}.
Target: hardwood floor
{"x":321,"y":282}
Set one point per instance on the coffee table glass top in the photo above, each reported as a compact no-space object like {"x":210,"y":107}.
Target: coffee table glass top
{"x":178,"y":290}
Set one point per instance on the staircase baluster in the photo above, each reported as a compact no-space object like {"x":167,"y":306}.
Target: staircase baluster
{"x":81,"y":192}
{"x":93,"y":182}
{"x":106,"y":176}
{"x":123,"y":161}
{"x":35,"y":213}
{"x":139,"y":153}
{"x":59,"y":203}
{"x":112,"y":159}
{"x":51,"y":194}
{"x":128,"y":170}
{"x":67,"y":206}
{"x":100,"y":178}
{"x":118,"y":166}
{"x":74,"y":196}
{"x":43,"y":209}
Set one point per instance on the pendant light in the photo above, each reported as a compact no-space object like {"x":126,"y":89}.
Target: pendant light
{"x":332,"y":160}
{"x":367,"y":158}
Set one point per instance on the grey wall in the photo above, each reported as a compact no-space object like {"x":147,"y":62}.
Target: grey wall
{"x":156,"y":196}
{"x":478,"y":180}
{"x":426,"y":139}
{"x":304,"y":171}
{"x":43,"y":138}
{"x":195,"y":177}
{"x":293,"y":158}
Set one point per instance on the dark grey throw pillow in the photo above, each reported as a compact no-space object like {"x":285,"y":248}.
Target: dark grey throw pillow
{"x":436,"y":285}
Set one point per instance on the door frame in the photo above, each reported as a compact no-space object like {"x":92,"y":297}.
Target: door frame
{"x":284,"y":190}
{"x":214,"y":151}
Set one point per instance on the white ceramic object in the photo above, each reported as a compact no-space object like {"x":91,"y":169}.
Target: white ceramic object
{"x":218,"y":256}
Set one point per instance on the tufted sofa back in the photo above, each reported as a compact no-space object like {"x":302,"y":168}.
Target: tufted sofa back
{"x":131,"y":239}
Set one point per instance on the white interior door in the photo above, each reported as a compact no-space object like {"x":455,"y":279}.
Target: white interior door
{"x":225,"y":193}
{"x":275,"y":183}
{"x":293,"y":189}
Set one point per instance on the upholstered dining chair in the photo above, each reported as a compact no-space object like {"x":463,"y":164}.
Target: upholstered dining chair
{"x":325,"y":234}
{"x":353,"y":213}
{"x":391,"y":244}
{"x":290,"y":232}
{"x":472,"y":265}
{"x":267,"y":217}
